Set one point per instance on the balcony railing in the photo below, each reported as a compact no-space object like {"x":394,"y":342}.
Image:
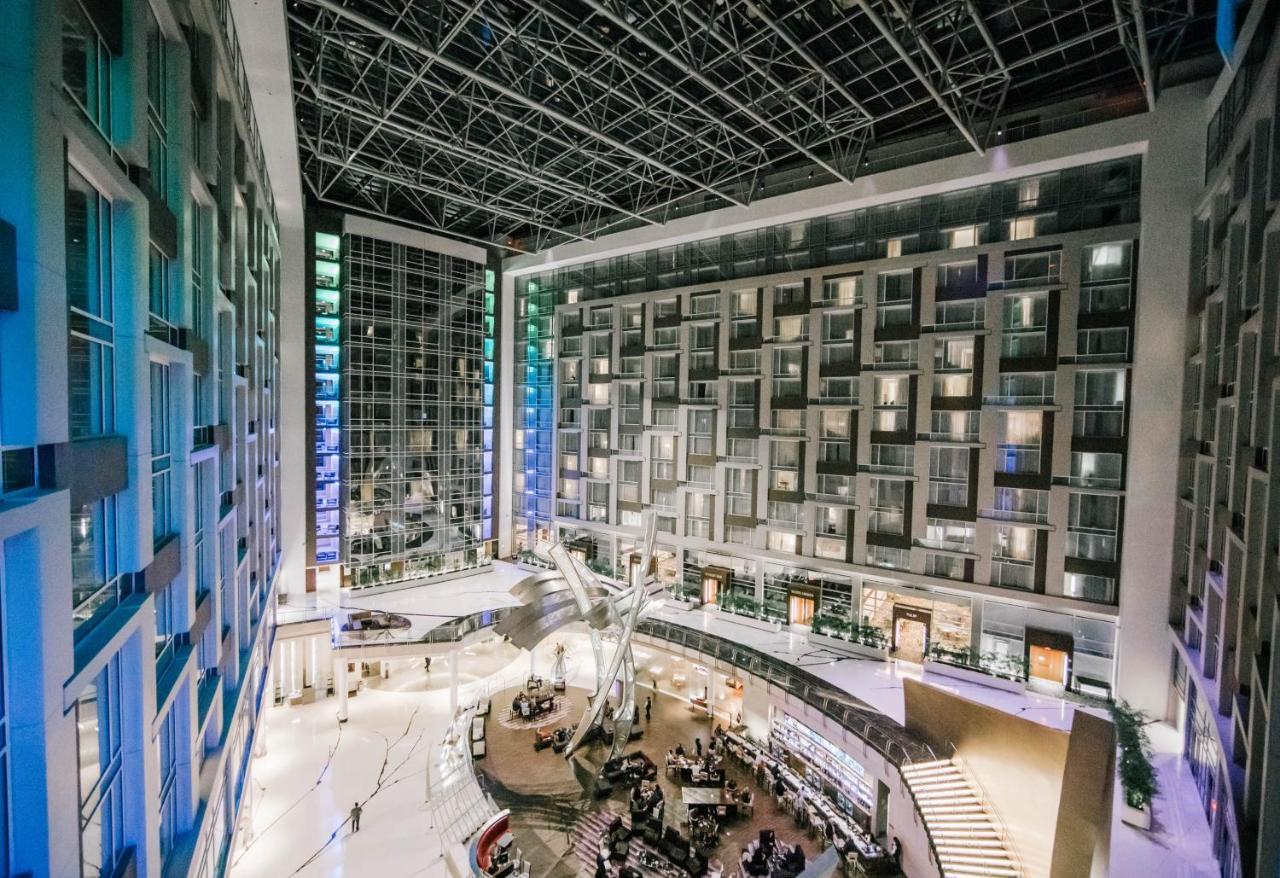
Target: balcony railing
{"x":1020,"y":516}
{"x":1019,"y":400}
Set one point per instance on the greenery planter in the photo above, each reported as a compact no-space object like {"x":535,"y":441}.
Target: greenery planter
{"x":1137,"y":774}
{"x":532,"y":568}
{"x":1139,"y":818}
{"x":972,"y":675}
{"x":880,"y":653}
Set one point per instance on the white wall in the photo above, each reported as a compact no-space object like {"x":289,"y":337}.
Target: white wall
{"x":1172,"y":172}
{"x":265,"y":47}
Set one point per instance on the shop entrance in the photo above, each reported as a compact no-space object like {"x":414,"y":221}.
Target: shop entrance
{"x":800,"y":609}
{"x":1049,"y":656}
{"x":802,"y":604}
{"x":715,"y":582}
{"x":911,"y":633}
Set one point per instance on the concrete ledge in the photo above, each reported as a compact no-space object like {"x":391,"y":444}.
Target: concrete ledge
{"x":839,"y":643}
{"x":968,"y":675}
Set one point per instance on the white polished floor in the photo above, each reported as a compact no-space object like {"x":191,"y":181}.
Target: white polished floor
{"x":304,"y":787}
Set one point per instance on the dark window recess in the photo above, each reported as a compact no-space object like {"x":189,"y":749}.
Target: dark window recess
{"x":18,"y":470}
{"x":8,"y":267}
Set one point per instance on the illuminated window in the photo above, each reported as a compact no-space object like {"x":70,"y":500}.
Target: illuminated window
{"x":1022,"y":228}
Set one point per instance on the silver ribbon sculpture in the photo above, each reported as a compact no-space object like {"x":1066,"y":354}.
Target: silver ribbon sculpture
{"x":573,"y":593}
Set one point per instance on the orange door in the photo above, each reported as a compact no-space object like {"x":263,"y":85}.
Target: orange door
{"x":1049,"y":664}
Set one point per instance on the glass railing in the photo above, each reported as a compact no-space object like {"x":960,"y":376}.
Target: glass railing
{"x":891,"y":740}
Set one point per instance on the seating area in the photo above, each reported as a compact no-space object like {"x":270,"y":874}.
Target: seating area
{"x":535,"y":701}
{"x":696,"y":810}
{"x":811,"y":810}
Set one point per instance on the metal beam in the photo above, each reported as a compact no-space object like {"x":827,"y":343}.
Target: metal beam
{"x":915,"y":68}
{"x":417,"y":77}
{"x":719,"y":92}
{"x":553,"y":181}
{"x":441,"y":193}
{"x":1144,"y":52}
{"x":639,"y":70}
{"x":817,"y":66}
{"x":466,"y":72}
{"x":425,"y":226}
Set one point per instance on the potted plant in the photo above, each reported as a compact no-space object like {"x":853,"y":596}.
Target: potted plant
{"x":1137,"y":774}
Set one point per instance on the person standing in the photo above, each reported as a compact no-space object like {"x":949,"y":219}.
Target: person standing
{"x":356,"y":811}
{"x":697,"y":746}
{"x":648,"y":708}
{"x":895,"y":851}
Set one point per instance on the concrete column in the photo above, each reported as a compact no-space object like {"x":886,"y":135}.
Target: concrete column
{"x":340,"y":685}
{"x":975,"y":624}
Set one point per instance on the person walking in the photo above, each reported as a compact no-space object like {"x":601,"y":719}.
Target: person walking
{"x":648,"y":708}
{"x":356,"y":811}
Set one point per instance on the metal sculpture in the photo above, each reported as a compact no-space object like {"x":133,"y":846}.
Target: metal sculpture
{"x":573,"y":593}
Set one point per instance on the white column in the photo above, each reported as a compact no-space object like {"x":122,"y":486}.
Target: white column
{"x":340,"y":684}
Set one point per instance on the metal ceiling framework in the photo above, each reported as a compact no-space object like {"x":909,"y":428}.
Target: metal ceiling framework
{"x":527,"y":123}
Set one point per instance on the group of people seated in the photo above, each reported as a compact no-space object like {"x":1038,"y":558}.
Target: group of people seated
{"x":703,"y":769}
{"x":647,"y":802}
{"x":556,"y":739}
{"x":766,"y":856}
{"x":527,"y":705}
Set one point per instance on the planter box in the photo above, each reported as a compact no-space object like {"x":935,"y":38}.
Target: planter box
{"x":681,"y":604}
{"x":533,"y":568}
{"x":1139,"y":818}
{"x":970,"y":675}
{"x":880,"y":653}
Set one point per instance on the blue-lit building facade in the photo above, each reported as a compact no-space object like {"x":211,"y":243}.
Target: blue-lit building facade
{"x":139,"y":433}
{"x":403,"y":350}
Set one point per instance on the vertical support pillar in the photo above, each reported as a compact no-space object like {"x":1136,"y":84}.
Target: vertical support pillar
{"x":340,"y":685}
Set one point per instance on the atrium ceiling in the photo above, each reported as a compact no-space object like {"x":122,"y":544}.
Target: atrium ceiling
{"x":528,"y":123}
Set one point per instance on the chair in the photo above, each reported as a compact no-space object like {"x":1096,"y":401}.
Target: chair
{"x":697,"y":865}
{"x":653,"y":833}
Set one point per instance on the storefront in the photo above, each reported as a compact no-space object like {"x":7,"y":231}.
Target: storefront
{"x":797,"y":597}
{"x":722,"y":580}
{"x":914,"y":623}
{"x":827,"y":767}
{"x":1057,"y":650}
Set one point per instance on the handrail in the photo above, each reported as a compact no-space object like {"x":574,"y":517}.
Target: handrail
{"x":892,"y":741}
{"x":993,"y":812}
{"x":922,"y":820}
{"x":450,"y":632}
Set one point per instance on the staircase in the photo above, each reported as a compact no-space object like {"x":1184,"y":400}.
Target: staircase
{"x":966,"y":839}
